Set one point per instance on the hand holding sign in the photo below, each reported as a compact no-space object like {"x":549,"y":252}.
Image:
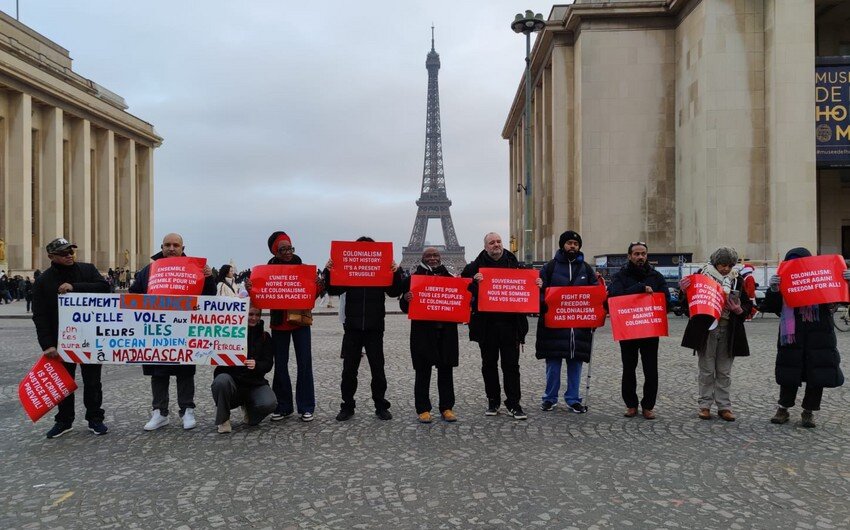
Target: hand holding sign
{"x":813,"y":280}
{"x":46,"y":384}
{"x":179,"y":275}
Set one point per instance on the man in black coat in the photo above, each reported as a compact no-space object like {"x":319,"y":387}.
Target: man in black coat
{"x":364,"y":329}
{"x":497,"y":334}
{"x":638,"y":276}
{"x":172,"y":247}
{"x":67,"y":276}
{"x":432,"y":344}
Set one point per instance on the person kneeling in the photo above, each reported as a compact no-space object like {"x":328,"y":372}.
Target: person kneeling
{"x":246,"y":386}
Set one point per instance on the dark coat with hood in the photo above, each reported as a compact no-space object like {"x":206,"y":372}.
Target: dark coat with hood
{"x":631,"y":279}
{"x":696,"y":332}
{"x":365,"y":307}
{"x":813,"y":356}
{"x":431,"y":343}
{"x":261,"y":349}
{"x":140,"y":286}
{"x":481,"y":324}
{"x":564,"y":343}
{"x":83,"y":277}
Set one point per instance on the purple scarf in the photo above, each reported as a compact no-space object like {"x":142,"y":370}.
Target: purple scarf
{"x":788,"y":322}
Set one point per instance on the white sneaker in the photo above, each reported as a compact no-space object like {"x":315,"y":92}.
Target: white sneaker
{"x":157,"y":420}
{"x":189,"y":419}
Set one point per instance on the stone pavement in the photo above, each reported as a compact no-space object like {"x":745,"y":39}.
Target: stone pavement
{"x":556,"y":470}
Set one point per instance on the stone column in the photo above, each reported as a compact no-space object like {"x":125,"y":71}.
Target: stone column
{"x":144,"y":200}
{"x":127,"y":197}
{"x":562,"y":141}
{"x":106,"y":256}
{"x":789,"y":38}
{"x":52,"y":182}
{"x":81,"y":203}
{"x":19,"y":184}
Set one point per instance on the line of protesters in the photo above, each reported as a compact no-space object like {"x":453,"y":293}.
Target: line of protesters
{"x":806,"y":349}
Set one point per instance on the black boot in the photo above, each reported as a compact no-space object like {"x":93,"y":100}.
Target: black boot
{"x":781,"y":416}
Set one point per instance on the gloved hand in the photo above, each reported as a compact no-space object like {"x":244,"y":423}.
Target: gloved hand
{"x":846,"y":275}
{"x":685,"y":282}
{"x":774,"y":282}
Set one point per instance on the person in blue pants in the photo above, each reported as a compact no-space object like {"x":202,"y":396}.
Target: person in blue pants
{"x":572,"y":345}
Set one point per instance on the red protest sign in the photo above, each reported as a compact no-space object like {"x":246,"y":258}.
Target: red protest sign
{"x":361,"y":264}
{"x":575,"y":307}
{"x":46,"y":384}
{"x":705,"y":296}
{"x":439,"y":298}
{"x":813,"y":280}
{"x":508,"y":290}
{"x":283,"y":286}
{"x":638,"y":316}
{"x":178,"y":275}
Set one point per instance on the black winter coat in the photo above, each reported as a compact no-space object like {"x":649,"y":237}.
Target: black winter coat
{"x":431,"y":343}
{"x":482,"y":324}
{"x":140,"y":286}
{"x":813,"y":356}
{"x":631,"y":279}
{"x":261,"y":349}
{"x":83,"y":277}
{"x":696,"y":332}
{"x":564,"y":343}
{"x":365,"y":307}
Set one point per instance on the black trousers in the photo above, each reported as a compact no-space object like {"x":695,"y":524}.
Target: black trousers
{"x":353,"y":344}
{"x":811,"y":398}
{"x":92,"y":394}
{"x":259,"y":400}
{"x":185,"y":392}
{"x":445,"y":389}
{"x":500,"y":342}
{"x":647,"y":349}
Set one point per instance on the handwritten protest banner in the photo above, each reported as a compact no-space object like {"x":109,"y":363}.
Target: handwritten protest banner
{"x":508,"y":290}
{"x":362,"y":263}
{"x":638,"y":316}
{"x":179,"y":275}
{"x":283,"y":286}
{"x":152,"y":329}
{"x":575,"y":307}
{"x":46,"y":384}
{"x":705,"y":296}
{"x":439,"y":298}
{"x":813,"y":280}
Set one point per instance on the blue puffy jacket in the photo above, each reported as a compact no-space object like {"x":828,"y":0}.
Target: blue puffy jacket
{"x":564,"y":343}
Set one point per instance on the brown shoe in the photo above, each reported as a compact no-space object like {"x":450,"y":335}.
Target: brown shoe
{"x":648,"y":414}
{"x":449,"y":416}
{"x":726,"y":415}
{"x":704,"y":414}
{"x":631,"y":412}
{"x":425,"y":417}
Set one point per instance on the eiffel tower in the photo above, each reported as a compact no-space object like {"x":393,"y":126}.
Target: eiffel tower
{"x":433,"y":202}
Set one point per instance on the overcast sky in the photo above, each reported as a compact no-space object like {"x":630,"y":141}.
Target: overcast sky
{"x":307,"y":117}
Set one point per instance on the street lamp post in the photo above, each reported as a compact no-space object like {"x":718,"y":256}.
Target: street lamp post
{"x":528,"y":24}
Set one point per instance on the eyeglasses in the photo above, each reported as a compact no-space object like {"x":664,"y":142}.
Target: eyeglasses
{"x":286,"y":249}
{"x":633,"y":243}
{"x":64,"y":253}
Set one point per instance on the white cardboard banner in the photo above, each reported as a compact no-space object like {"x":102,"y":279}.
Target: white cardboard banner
{"x":152,"y":329}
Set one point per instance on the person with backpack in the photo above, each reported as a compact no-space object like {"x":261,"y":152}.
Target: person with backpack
{"x":573,"y":345}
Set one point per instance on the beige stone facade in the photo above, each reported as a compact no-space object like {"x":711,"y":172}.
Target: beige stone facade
{"x":688,"y":124}
{"x":73,"y":162}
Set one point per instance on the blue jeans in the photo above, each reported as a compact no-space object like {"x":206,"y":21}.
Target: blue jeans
{"x":553,"y":381}
{"x":305,"y":398}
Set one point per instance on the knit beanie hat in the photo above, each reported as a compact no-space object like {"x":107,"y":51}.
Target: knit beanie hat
{"x":568,"y":235}
{"x":277,"y":239}
{"x":724,"y":256}
{"x":799,"y":252}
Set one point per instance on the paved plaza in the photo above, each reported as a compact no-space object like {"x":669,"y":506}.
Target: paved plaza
{"x":555,"y":470}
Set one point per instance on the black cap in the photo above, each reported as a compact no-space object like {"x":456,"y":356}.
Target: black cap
{"x":58,"y":245}
{"x":567,"y":236}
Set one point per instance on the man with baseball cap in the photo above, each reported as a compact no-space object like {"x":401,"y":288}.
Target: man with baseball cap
{"x":66,"y":276}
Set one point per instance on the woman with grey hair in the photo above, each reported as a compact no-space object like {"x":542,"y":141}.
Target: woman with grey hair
{"x":718,"y":342}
